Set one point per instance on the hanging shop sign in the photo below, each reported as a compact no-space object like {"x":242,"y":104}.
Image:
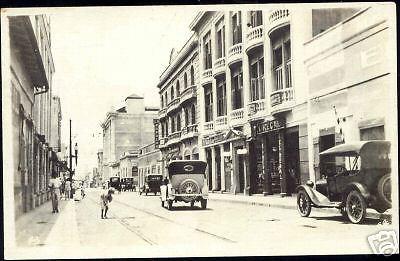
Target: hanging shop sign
{"x":267,"y":126}
{"x":156,"y":123}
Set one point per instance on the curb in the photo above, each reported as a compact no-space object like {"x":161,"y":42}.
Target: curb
{"x":294,"y":207}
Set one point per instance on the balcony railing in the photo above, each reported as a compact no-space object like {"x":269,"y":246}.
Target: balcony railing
{"x":219,"y":65}
{"x":256,"y":108}
{"x":207,"y":73}
{"x":173,"y":104}
{"x":281,"y":99}
{"x":189,"y":92}
{"x":255,"y":36}
{"x":189,"y":131}
{"x":278,"y":17}
{"x":221,"y":121}
{"x":208,"y":126}
{"x":237,"y":116}
{"x":174,"y":137}
{"x":162,"y":113}
{"x":235,"y":52}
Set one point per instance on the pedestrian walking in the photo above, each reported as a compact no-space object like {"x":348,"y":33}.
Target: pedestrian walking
{"x":83,"y":191}
{"x":105,"y":198}
{"x":54,"y":185}
{"x":62,"y":189}
{"x":68,"y":189}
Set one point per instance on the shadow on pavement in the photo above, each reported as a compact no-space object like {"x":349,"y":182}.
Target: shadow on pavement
{"x":188,"y":208}
{"x":343,"y":220}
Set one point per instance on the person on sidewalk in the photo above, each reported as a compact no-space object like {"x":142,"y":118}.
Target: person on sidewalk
{"x":54,"y":185}
{"x":105,"y":198}
{"x":67,"y":189}
{"x":62,"y":189}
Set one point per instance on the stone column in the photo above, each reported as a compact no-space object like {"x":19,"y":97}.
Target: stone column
{"x":246,"y":76}
{"x":268,"y":76}
{"x":282,"y":164}
{"x":222,"y":168}
{"x":214,"y":170}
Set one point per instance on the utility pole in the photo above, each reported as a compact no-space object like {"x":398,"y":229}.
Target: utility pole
{"x":70,"y":151}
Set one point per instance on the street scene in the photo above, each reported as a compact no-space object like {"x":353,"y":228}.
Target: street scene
{"x":187,"y":131}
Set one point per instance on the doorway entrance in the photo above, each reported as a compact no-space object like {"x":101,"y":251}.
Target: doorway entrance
{"x":218,"y":167}
{"x":292,"y":159}
{"x":209,"y":168}
{"x":240,"y":158}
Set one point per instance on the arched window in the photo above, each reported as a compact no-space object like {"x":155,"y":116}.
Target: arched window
{"x":185,"y":81}
{"x":172,"y":93}
{"x":186,"y":117}
{"x":191,"y":75}
{"x":178,"y":122}
{"x":193,"y":109}
{"x":178,"y":91}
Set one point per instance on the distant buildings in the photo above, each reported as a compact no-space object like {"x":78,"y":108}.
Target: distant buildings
{"x":35,"y":143}
{"x":149,"y":162}
{"x":125,"y":130}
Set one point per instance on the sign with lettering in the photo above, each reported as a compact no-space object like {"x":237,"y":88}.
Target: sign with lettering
{"x":156,"y":123}
{"x":214,"y":139}
{"x":267,"y":126}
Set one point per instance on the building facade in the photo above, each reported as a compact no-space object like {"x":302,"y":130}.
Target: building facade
{"x":149,"y":162}
{"x":100,"y":165}
{"x":125,"y":129}
{"x":350,"y":83}
{"x":128,"y":167}
{"x":31,"y":71}
{"x":178,"y":117}
{"x":254,"y":96}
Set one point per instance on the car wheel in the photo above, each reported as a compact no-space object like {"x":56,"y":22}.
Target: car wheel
{"x":384,"y":191}
{"x":155,"y":193}
{"x":343,"y":212}
{"x":203,"y":203}
{"x":169,"y":204}
{"x":356,"y":207}
{"x":303,"y":203}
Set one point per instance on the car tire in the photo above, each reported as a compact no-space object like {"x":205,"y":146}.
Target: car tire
{"x":303,"y":203}
{"x":384,"y":191}
{"x":356,"y":207}
{"x":169,"y":204}
{"x":203,"y":203}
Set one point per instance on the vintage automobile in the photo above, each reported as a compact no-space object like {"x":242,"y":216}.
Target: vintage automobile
{"x":152,"y":183}
{"x":127,"y":184}
{"x":115,"y":182}
{"x":359,"y":180}
{"x":187,"y":183}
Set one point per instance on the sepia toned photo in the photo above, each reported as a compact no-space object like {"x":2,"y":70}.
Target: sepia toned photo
{"x":200,"y":130}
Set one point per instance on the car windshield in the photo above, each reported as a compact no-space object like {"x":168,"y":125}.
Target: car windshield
{"x":351,"y":163}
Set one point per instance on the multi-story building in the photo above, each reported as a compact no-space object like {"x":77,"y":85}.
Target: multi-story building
{"x":31,"y":69}
{"x":55,"y":130}
{"x":351,"y":78}
{"x":125,"y":129}
{"x":129,"y":164}
{"x":149,"y":162}
{"x":253,"y":95}
{"x":100,"y":164}
{"x":178,"y":117}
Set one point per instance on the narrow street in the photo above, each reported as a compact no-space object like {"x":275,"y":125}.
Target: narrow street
{"x":140,"y":221}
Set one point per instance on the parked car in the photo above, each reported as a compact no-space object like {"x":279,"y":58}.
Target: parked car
{"x":187,"y":183}
{"x":127,"y":184}
{"x":115,"y":182}
{"x":359,"y":180}
{"x":152,"y":183}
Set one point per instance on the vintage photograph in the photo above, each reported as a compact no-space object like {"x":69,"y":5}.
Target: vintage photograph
{"x":200,"y":130}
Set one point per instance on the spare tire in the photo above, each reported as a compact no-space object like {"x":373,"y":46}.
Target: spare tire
{"x":384,"y":190}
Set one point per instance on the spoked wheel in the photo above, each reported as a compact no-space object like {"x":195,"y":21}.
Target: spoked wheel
{"x":303,"y":203}
{"x":169,"y":204}
{"x":356,"y":207}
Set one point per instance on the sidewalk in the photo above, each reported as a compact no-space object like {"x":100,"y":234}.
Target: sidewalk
{"x":277,"y":201}
{"x":41,"y":227}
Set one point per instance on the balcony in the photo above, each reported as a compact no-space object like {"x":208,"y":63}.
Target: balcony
{"x":219,"y":66}
{"x":235,"y":53}
{"x":221,"y":122}
{"x":163,"y":142}
{"x":282,"y":100}
{"x":237,"y":117}
{"x":188,"y":93}
{"x":173,"y":105}
{"x":278,"y":18}
{"x":162,"y":113}
{"x":206,"y":76}
{"x":174,"y":138}
{"x":189,"y":131}
{"x":256,"y":109}
{"x":255,"y":37}
{"x":208,"y":126}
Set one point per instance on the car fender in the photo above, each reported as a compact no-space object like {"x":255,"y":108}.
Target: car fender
{"x":359,"y":187}
{"x":317,"y":198}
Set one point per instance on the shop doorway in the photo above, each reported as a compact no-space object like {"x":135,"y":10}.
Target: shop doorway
{"x":256,"y":163}
{"x":327,"y":162}
{"x":218,"y":167}
{"x":273,"y":161}
{"x":240,"y":158}
{"x":292,"y":159}
{"x":209,"y":168}
{"x":227,"y":160}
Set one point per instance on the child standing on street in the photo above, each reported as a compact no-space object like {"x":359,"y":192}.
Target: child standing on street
{"x":105,"y":198}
